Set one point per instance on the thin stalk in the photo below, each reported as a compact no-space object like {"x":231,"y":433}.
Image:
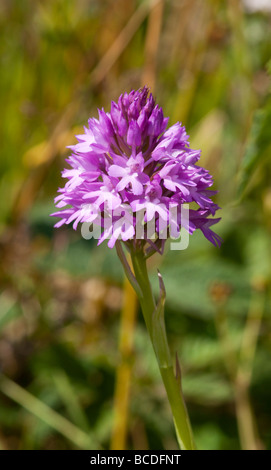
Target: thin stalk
{"x":152,"y":45}
{"x":121,"y":42}
{"x":154,"y":319}
{"x":124,"y":370}
{"x":239,"y":368}
{"x":46,"y":414}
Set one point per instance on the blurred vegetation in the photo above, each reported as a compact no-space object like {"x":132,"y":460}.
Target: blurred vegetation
{"x":61,"y":296}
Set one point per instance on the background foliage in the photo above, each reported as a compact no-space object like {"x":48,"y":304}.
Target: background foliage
{"x":61,"y":296}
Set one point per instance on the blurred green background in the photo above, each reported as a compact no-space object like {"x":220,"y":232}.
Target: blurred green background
{"x":61,"y":296}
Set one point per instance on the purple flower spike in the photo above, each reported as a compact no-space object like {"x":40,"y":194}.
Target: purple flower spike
{"x":125,"y":162}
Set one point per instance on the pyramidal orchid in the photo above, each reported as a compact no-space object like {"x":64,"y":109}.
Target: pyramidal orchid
{"x":128,"y":174}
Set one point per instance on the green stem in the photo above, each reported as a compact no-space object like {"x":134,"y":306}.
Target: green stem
{"x":154,"y":319}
